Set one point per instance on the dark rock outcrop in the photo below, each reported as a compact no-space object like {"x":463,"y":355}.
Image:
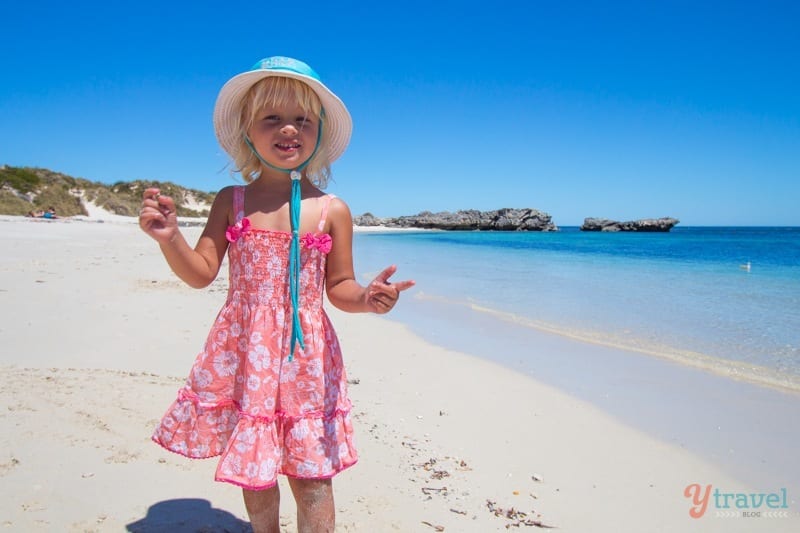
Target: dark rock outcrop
{"x":468,"y":220}
{"x":642,"y":225}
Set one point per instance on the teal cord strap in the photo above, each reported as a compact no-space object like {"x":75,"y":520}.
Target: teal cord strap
{"x":294,"y":264}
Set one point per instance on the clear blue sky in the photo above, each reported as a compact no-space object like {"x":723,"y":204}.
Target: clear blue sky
{"x":610,"y":109}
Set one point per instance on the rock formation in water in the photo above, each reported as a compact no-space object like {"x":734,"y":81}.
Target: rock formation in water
{"x":663,"y":224}
{"x":506,"y":219}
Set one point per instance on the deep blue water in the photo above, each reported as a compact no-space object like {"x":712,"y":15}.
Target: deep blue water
{"x":684,"y":295}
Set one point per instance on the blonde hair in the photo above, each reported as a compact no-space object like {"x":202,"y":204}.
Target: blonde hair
{"x":279,"y":91}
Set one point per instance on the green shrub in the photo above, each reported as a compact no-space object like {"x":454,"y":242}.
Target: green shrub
{"x":11,"y":204}
{"x":47,"y":188}
{"x":21,"y":179}
{"x":59,"y":198}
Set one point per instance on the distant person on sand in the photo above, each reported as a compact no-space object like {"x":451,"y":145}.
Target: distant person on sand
{"x":268,"y":392}
{"x":50,"y":213}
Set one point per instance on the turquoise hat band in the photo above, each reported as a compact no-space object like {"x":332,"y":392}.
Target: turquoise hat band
{"x":286,"y":64}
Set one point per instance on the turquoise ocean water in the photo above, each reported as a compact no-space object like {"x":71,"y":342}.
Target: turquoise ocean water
{"x":686,"y":295}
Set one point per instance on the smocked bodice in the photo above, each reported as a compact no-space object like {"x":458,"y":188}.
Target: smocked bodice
{"x":258,"y":267}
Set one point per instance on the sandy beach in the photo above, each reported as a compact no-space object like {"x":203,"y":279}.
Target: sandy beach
{"x":97,"y":335}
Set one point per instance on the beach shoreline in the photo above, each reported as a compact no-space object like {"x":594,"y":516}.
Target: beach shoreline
{"x":98,"y":335}
{"x":746,"y":428}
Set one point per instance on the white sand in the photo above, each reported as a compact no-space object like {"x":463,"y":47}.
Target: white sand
{"x":97,"y":336}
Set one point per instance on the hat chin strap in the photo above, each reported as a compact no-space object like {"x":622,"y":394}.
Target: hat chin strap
{"x":294,"y":249}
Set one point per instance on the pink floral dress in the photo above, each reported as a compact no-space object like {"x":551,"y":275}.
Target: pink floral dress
{"x":244,"y":399}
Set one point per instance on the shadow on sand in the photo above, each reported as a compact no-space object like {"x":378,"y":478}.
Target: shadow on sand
{"x":188,"y":515}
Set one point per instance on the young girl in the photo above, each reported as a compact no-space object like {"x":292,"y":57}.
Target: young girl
{"x":269,"y":392}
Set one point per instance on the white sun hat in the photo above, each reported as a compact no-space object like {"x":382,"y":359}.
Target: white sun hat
{"x":337,"y":125}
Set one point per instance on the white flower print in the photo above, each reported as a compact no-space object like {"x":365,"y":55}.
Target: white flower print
{"x":304,"y":282}
{"x":308,"y":407}
{"x":314,"y":368}
{"x":245,"y":439}
{"x":327,"y":466}
{"x":253,"y":383}
{"x":307,"y":468}
{"x":236,"y":329}
{"x":274,"y":265}
{"x":344,"y":450}
{"x":268,"y":470}
{"x":314,"y":397}
{"x":183,"y":413}
{"x":269,"y":404}
{"x":251,"y":470}
{"x":289,"y":373}
{"x":225,"y":363}
{"x":201,"y":450}
{"x":229,"y":417}
{"x":232,"y":465}
{"x":257,"y":355}
{"x":201,"y":378}
{"x":162,"y":435}
{"x":275,"y":365}
{"x":181,"y":448}
{"x":206,"y":397}
{"x":317,"y":425}
{"x":300,"y":430}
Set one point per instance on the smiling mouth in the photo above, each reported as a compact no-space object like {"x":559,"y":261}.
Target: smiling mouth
{"x":287,"y":147}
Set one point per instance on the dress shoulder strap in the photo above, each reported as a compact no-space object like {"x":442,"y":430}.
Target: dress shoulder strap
{"x":238,"y":202}
{"x":326,"y":202}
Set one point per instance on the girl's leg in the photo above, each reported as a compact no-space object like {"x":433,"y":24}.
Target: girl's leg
{"x":315,"y":510}
{"x":263,"y":509}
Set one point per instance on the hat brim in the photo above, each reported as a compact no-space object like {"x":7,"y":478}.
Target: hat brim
{"x":336,"y":129}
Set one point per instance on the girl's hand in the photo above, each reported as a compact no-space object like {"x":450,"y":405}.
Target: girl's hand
{"x":381,"y":295}
{"x":157,"y":217}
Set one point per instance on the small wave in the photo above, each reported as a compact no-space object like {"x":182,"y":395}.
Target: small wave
{"x":738,"y":370}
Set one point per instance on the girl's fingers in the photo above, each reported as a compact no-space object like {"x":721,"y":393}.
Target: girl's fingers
{"x":384,"y":276}
{"x":151,"y":193}
{"x":382,"y":280}
{"x":403,"y":285}
{"x":381,"y":306}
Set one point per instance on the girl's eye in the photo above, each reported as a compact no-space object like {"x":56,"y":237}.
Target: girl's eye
{"x":272,"y":118}
{"x":303,"y":121}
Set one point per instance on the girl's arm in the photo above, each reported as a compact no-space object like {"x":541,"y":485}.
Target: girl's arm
{"x":197,"y":267}
{"x":343,"y":290}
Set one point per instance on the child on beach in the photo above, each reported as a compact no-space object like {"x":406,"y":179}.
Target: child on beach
{"x":268,"y":392}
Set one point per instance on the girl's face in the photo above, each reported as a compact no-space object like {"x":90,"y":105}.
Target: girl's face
{"x":284,"y":134}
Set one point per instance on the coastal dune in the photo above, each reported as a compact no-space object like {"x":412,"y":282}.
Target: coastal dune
{"x":97,"y":335}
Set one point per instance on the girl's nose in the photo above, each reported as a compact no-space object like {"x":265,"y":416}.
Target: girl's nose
{"x":288,"y":129}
